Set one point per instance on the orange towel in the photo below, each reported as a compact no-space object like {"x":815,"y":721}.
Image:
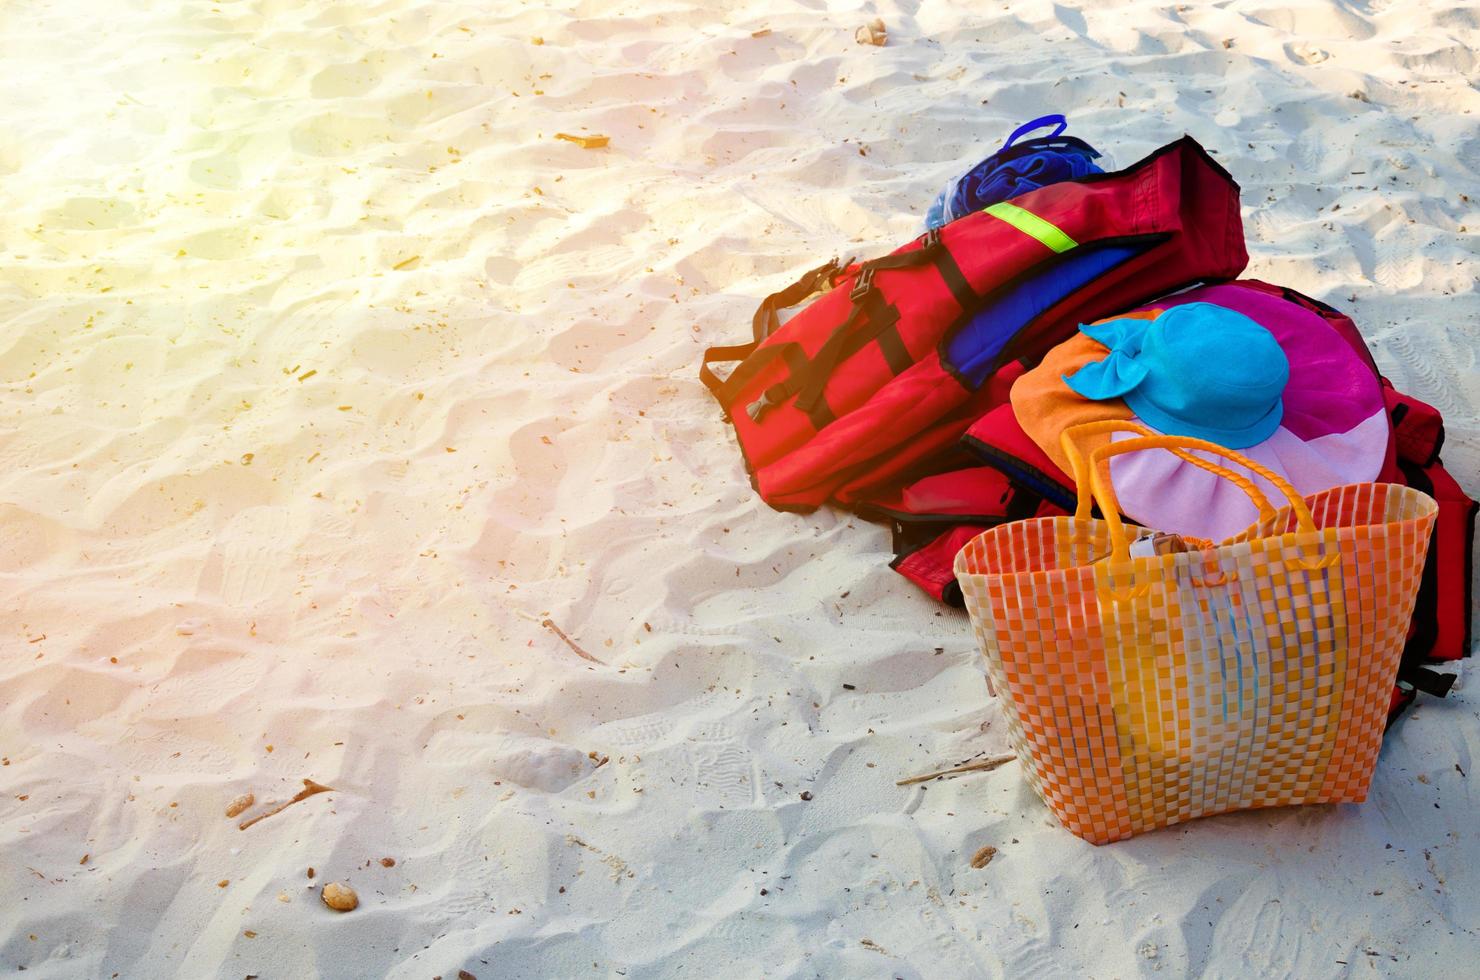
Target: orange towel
{"x":1045,"y":406}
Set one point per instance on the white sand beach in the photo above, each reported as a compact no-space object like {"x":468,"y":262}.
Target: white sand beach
{"x":328,"y":374}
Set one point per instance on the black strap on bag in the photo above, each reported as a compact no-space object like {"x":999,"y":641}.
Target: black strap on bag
{"x":807,"y":377}
{"x":763,"y":324}
{"x":1425,"y":623}
{"x":882,"y":323}
{"x":880,"y":320}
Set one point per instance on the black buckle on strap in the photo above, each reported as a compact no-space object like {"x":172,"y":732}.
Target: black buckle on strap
{"x":862,"y":284}
{"x":931,"y":239}
{"x":758,"y":408}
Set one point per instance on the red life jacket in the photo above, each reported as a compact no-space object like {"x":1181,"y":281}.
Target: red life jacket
{"x":1440,"y":629}
{"x":865,"y":376}
{"x":1441,"y":618}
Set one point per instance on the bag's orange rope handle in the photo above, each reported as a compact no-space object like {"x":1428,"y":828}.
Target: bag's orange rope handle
{"x":1068,"y":440}
{"x":1105,"y":493}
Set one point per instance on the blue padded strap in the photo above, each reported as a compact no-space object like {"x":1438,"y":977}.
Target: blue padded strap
{"x":973,"y":351}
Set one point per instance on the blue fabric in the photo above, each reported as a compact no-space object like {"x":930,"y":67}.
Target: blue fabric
{"x":1198,"y":370}
{"x":973,"y":350}
{"x":1120,"y":372}
{"x":1013,"y":171}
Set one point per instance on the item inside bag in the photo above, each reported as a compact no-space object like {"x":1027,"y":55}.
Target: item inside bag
{"x":1158,"y":543}
{"x":1150,"y":542}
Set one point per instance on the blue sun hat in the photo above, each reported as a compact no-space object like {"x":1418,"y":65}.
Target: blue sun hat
{"x":1198,"y":370}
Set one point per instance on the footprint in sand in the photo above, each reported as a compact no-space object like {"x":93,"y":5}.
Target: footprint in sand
{"x":168,"y":751}
{"x":205,"y":680}
{"x":252,"y":557}
{"x":639,"y":732}
{"x":725,"y":773}
{"x":723,"y":769}
{"x":1261,"y":958}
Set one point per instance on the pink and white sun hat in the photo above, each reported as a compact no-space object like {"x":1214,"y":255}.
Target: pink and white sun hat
{"x":1333,"y":429}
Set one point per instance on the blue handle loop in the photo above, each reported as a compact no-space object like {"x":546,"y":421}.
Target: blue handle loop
{"x":1054,"y":119}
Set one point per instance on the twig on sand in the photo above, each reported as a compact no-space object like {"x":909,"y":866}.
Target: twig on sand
{"x":310,"y":788}
{"x":550,"y":624}
{"x":985,"y":765}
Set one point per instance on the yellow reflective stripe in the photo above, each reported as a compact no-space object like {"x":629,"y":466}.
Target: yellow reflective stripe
{"x":1030,"y":224}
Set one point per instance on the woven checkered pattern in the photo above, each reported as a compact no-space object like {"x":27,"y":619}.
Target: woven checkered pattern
{"x":1251,"y":673}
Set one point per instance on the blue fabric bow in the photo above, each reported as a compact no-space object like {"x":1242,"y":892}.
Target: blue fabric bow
{"x":1119,"y":371}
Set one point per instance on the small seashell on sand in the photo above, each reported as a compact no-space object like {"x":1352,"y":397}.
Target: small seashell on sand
{"x":872,"y":33}
{"x":339,"y":896}
{"x":240,"y":804}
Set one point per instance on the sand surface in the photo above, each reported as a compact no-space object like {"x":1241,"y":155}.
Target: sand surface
{"x":327,"y":375}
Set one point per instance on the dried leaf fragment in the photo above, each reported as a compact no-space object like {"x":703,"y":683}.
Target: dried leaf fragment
{"x":983,"y":857}
{"x":574,"y":646}
{"x":585,"y":142}
{"x":310,"y":788}
{"x":239,"y":805}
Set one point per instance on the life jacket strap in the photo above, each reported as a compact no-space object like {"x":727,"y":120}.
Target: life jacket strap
{"x":764,"y":323}
{"x":883,"y":321}
{"x":1426,"y":680}
{"x":808,"y":377}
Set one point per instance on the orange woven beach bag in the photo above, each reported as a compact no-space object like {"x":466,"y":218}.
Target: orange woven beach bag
{"x":1144,"y":689}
